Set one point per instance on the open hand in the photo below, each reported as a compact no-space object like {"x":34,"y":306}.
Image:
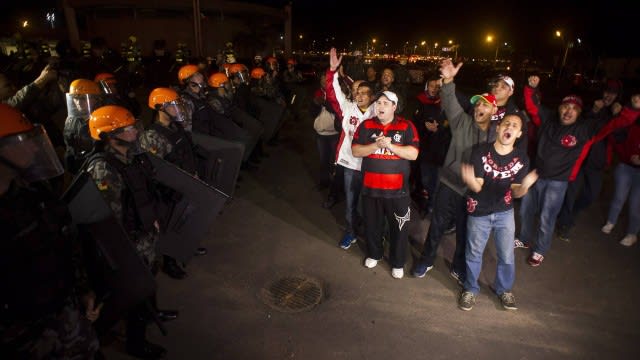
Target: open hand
{"x":334,"y":60}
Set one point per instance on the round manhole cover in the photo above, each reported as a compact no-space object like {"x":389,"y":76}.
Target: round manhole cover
{"x":292,"y":294}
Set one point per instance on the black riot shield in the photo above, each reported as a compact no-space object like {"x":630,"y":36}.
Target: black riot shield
{"x":188,"y":217}
{"x":270,"y":115}
{"x":219,"y":161}
{"x":118,"y":275}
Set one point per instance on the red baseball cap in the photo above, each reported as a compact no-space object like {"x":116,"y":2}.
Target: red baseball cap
{"x":572,"y":99}
{"x":488,"y":98}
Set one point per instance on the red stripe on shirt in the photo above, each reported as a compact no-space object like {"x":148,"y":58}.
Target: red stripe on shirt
{"x":384,"y":157}
{"x":383,"y":181}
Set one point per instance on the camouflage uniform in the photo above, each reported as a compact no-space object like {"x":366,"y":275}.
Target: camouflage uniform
{"x":66,"y":334}
{"x":111,"y":186}
{"x":24,"y":97}
{"x":266,"y":88}
{"x":155,"y":143}
{"x":42,"y":273}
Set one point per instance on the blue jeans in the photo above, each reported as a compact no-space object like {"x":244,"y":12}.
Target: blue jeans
{"x":545,"y":197}
{"x":479,"y":228}
{"x":627,"y":182}
{"x":352,"y":188}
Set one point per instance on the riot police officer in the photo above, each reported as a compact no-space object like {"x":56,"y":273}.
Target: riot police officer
{"x":123,"y":174}
{"x":166,"y":138}
{"x":113,"y":93}
{"x":46,"y":306}
{"x":83,"y":97}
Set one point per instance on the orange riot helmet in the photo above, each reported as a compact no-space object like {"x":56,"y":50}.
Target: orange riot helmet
{"x":84,"y":87}
{"x":258,"y":73}
{"x":240,"y":72}
{"x":83,"y":97}
{"x":218,"y":80}
{"x":272,"y":63}
{"x":26,"y":148}
{"x":186,"y":72}
{"x":108,"y":120}
{"x":107,"y":82}
{"x":168,"y":101}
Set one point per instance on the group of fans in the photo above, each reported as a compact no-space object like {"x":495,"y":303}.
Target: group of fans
{"x":63,"y":279}
{"x":473,"y":157}
{"x":465,"y":160}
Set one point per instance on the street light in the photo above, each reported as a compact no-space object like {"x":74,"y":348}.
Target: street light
{"x":490,"y":39}
{"x":563,"y":44}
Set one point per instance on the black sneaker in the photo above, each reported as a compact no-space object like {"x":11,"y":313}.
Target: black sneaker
{"x":456,"y":275}
{"x":466,"y":301}
{"x":450,"y":230}
{"x":508,"y":301}
{"x":562,"y":232}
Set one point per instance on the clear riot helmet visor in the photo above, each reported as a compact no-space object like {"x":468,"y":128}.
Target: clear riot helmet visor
{"x":176,"y":110}
{"x":243,"y":76}
{"x":82,"y":105}
{"x":108,"y":86}
{"x":31,"y":154}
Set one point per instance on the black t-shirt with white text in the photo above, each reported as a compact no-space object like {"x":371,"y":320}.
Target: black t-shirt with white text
{"x":498,"y":172}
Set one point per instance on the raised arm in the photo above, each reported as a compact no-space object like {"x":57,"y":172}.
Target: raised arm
{"x":450,"y":103}
{"x":335,"y":97}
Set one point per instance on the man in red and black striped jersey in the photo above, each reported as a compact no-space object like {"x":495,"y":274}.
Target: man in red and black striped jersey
{"x":386,"y":143}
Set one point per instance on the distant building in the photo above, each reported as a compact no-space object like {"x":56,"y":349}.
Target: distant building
{"x":251,"y":27}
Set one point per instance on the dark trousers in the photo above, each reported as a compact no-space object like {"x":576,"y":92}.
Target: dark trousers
{"x":327,"y":152}
{"x":581,"y":193}
{"x":398,"y":214}
{"x":137,"y":320}
{"x":448,"y":206}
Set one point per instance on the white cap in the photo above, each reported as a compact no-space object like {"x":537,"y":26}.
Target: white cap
{"x":391,"y":96}
{"x":507,"y":80}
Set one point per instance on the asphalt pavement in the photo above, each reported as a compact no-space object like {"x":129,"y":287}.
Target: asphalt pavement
{"x":581,"y":303}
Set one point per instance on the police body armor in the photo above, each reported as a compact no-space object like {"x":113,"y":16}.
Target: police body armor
{"x":183,"y":154}
{"x":139,"y":200}
{"x":78,"y":142}
{"x":36,"y":267}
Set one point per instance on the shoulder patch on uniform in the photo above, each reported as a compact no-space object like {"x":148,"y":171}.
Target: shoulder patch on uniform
{"x":102,"y":185}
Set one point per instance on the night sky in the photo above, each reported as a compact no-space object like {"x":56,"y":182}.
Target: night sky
{"x":607,"y":28}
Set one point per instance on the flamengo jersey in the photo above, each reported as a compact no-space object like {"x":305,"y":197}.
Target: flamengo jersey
{"x":352,"y":117}
{"x":385,"y":174}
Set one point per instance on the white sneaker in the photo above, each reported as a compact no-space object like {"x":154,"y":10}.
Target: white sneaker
{"x":370,"y":263}
{"x":607,"y":228}
{"x":629,"y":240}
{"x":397,"y":273}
